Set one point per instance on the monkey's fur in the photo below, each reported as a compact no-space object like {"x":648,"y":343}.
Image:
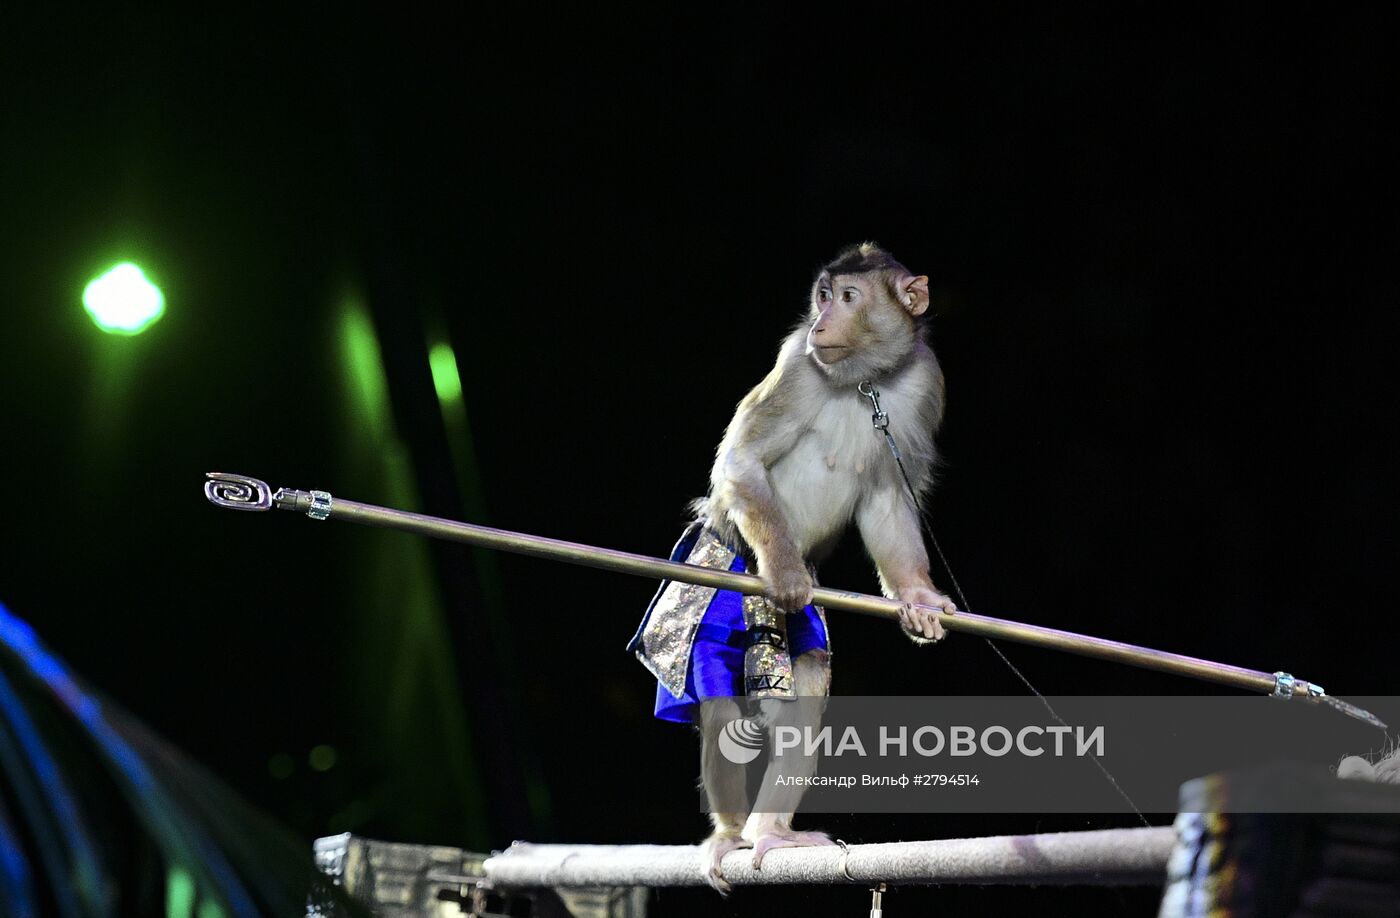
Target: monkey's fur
{"x":799,"y":462}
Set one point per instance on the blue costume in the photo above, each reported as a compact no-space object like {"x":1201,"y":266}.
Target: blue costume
{"x":694,"y":639}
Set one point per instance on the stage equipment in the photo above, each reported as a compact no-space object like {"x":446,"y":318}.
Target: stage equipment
{"x":1209,"y":862}
{"x":613,"y":881}
{"x":239,"y":492}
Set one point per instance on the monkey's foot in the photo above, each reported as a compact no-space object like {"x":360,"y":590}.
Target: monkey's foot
{"x":788,"y":839}
{"x":713,"y":851}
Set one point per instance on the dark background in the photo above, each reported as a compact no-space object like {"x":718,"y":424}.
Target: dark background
{"x":1162,"y":254}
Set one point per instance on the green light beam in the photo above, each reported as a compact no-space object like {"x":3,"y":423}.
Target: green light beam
{"x":443,"y":362}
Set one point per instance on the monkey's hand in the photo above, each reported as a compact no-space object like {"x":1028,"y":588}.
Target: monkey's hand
{"x":787,"y":584}
{"x":922,"y":625}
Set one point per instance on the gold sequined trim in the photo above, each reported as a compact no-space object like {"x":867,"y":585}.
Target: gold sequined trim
{"x":767,"y":665}
{"x":670,"y":630}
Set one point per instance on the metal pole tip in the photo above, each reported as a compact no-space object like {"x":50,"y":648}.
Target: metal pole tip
{"x":237,"y":492}
{"x":1352,"y":710}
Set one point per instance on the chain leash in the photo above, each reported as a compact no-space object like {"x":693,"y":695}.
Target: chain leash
{"x":881,"y":420}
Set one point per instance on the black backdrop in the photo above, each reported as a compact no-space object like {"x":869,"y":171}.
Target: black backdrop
{"x":1162,"y":256}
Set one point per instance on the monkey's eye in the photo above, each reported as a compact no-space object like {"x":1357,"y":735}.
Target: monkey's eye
{"x":848,"y":296}
{"x":823,"y":294}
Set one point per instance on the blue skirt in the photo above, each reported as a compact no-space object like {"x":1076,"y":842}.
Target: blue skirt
{"x":717,"y":656}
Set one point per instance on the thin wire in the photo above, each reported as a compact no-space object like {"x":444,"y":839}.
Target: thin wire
{"x":881,"y":420}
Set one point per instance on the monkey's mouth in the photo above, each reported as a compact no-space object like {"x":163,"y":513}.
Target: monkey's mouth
{"x":828,"y":351}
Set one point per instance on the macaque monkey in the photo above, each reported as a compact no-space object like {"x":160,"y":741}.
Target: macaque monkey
{"x":798,"y":463}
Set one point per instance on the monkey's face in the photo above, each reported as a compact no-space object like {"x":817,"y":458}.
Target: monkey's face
{"x":853,"y":313}
{"x":863,"y":323}
{"x":840,"y":305}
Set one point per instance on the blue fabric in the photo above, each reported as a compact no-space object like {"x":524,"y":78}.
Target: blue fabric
{"x":717,"y":657}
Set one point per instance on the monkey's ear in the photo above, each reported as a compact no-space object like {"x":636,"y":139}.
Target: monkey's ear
{"x":913,"y":294}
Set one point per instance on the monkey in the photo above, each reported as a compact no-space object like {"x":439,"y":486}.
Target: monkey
{"x":798,"y":463}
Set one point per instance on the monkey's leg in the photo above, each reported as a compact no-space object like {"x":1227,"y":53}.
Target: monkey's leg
{"x":769,"y":830}
{"x":725,"y":790}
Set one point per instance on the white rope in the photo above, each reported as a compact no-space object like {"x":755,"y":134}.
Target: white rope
{"x":1107,"y":857}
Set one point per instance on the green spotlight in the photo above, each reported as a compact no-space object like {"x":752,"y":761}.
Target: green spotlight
{"x":443,"y":363}
{"x":322,"y":758}
{"x":122,"y":301}
{"x":369,"y":386}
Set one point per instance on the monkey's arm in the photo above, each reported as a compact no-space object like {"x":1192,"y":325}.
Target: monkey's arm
{"x":889,"y":527}
{"x":766,"y":426}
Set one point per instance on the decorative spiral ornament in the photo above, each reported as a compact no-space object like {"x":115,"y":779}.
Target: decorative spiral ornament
{"x":237,"y":492}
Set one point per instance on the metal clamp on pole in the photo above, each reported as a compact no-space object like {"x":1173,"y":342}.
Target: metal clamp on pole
{"x":1284,"y":684}
{"x":320,"y":508}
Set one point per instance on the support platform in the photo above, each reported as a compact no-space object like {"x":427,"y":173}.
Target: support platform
{"x":1099,"y":858}
{"x":1225,"y":853}
{"x":615,"y":881}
